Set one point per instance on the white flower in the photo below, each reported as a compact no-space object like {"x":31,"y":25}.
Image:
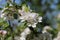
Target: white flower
{"x":30,"y":17}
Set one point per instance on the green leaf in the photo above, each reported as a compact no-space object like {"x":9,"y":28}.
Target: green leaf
{"x":25,"y":8}
{"x":1,"y":20}
{"x":22,"y":26}
{"x":5,"y":25}
{"x":9,"y":38}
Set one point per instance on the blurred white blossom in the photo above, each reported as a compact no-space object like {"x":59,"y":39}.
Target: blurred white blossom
{"x":22,"y":38}
{"x":2,"y":15}
{"x":39,"y":19}
{"x":58,"y":36}
{"x":10,"y":4}
{"x":58,"y":16}
{"x":47,"y":35}
{"x":31,"y":17}
{"x":25,"y":33}
{"x":46,"y":28}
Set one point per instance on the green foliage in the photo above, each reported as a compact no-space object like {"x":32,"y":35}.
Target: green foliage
{"x":25,"y":8}
{"x":3,"y":24}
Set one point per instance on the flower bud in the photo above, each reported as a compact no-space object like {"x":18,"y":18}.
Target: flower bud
{"x":4,"y":32}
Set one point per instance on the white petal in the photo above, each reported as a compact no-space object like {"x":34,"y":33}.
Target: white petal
{"x":10,"y":5}
{"x":29,"y":25}
{"x":2,"y":15}
{"x":34,"y":25}
{"x":25,"y":32}
{"x":22,"y":38}
{"x":22,"y":17}
{"x":40,"y":19}
{"x":22,"y":20}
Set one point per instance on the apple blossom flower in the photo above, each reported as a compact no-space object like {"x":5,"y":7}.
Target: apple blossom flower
{"x":31,"y":18}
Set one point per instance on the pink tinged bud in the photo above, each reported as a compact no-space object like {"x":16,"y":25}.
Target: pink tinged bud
{"x":4,"y":32}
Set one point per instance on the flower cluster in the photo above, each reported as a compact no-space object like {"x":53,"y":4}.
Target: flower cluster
{"x":31,"y":17}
